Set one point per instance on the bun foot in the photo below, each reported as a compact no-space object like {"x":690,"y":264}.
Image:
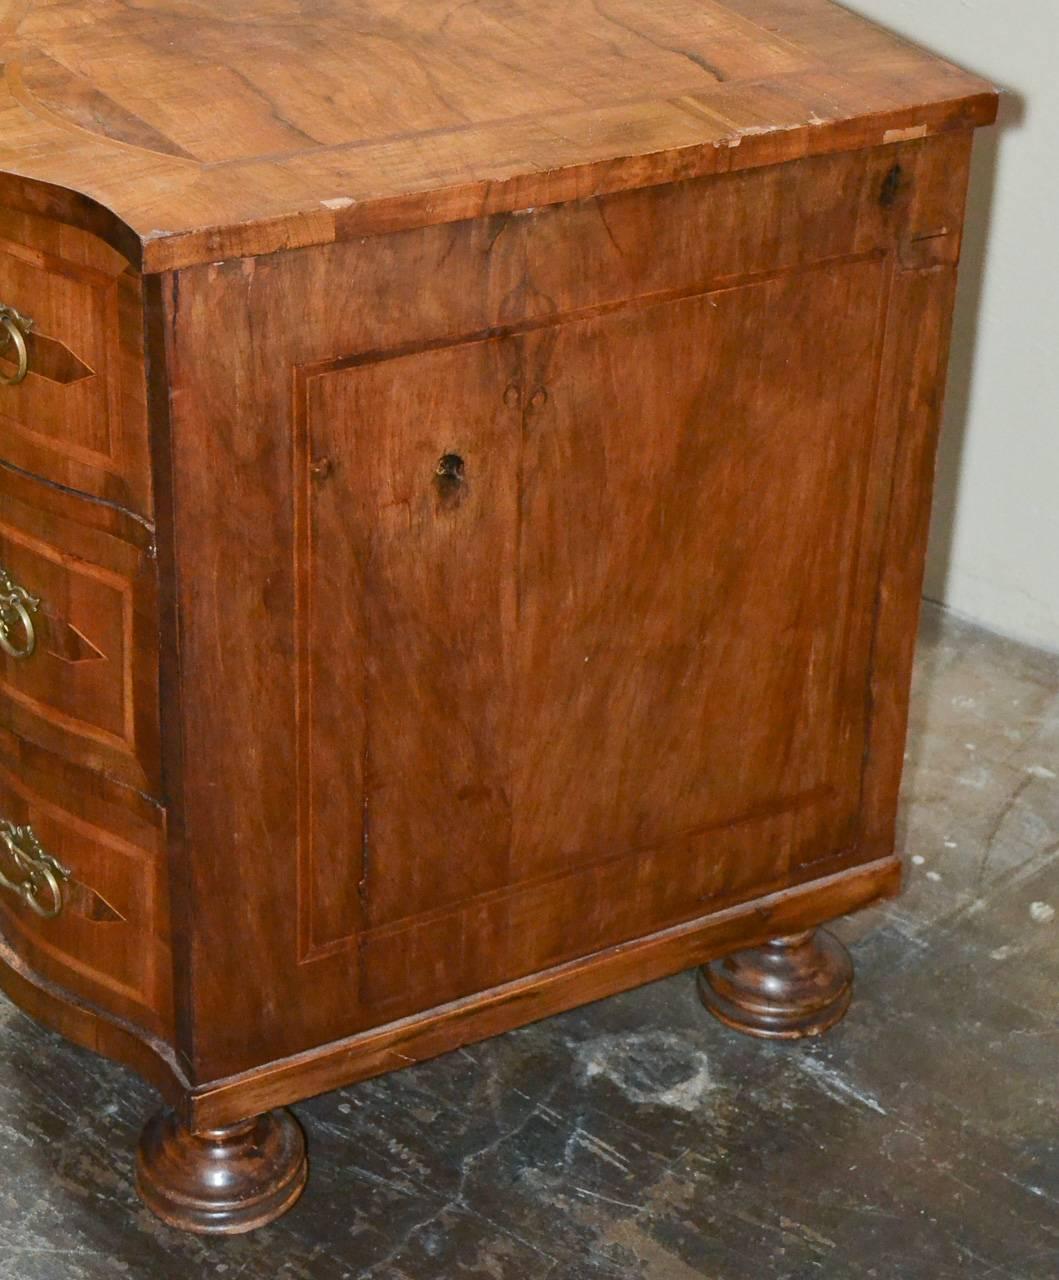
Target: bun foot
{"x":221,"y":1181}
{"x":791,"y":987}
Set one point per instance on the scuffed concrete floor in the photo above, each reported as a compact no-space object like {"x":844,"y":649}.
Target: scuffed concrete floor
{"x":638,"y":1138}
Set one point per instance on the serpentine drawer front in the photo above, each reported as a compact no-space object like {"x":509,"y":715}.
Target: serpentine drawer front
{"x":70,"y":333}
{"x":94,"y":921}
{"x":78,"y":628}
{"x":464,"y":487}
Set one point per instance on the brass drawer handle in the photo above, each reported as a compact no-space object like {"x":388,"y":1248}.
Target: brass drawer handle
{"x":13,"y":329}
{"x":16,"y":605}
{"x":41,"y":877}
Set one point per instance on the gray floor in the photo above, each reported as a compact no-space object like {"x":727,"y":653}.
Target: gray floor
{"x":637,"y":1138}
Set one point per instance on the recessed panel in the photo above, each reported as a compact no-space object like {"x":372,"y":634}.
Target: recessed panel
{"x":583,"y":608}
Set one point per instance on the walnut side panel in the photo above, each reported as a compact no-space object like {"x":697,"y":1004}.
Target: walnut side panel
{"x":600,"y":549}
{"x":235,"y":406}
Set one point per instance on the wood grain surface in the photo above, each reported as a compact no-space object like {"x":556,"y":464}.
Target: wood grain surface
{"x":682,"y":419}
{"x":191,"y":132}
{"x":475,"y":463}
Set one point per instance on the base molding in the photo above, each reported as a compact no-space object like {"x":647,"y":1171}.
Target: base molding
{"x":426,"y":1035}
{"x":229,"y":1101}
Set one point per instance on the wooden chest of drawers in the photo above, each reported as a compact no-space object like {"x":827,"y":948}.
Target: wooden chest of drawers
{"x":464,"y":480}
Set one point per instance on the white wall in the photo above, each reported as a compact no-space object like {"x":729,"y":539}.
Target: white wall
{"x":994,"y":552}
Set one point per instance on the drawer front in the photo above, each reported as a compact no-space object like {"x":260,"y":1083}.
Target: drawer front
{"x":72,"y":397}
{"x":77,"y":633}
{"x":82,"y":894}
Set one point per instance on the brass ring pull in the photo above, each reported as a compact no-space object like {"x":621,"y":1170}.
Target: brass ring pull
{"x":42,"y":877}
{"x":16,"y":605}
{"x":15,"y":326}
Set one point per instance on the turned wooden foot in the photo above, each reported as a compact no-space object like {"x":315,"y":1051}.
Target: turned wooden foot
{"x":791,"y":987}
{"x":221,"y":1181}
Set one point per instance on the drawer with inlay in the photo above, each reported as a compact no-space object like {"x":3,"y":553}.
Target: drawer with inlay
{"x":82,"y":884}
{"x":77,"y":607}
{"x":72,"y":398}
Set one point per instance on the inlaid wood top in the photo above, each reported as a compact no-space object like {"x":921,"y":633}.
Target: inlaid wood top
{"x":201,"y":130}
